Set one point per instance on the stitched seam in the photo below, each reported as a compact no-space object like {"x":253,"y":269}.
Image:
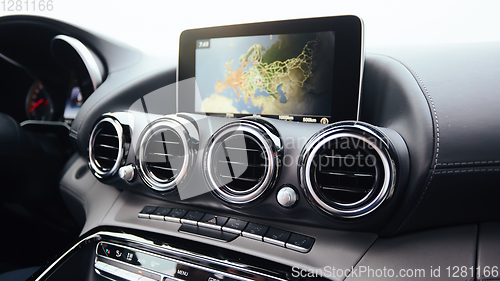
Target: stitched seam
{"x":467,"y":171}
{"x":469,"y":163}
{"x":436,"y":147}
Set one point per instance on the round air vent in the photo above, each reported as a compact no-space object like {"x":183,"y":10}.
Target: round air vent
{"x":347,"y":170}
{"x":106,"y":148}
{"x":242,"y":160}
{"x":165,"y":154}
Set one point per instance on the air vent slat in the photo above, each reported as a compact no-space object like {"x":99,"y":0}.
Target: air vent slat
{"x":345,"y":189}
{"x":346,"y":174}
{"x":108,"y":135}
{"x":106,"y":158}
{"x":162,"y":168}
{"x":239,"y":178}
{"x":164,"y":154}
{"x":243,"y":149}
{"x":166,"y":142}
{"x":253,"y":165}
{"x":107,"y":146}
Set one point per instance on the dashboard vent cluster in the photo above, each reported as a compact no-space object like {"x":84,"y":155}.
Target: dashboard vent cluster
{"x":106,"y":148}
{"x":164,"y":154}
{"x":241,"y":161}
{"x":347,"y":171}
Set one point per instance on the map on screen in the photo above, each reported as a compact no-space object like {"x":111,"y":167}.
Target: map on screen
{"x":270,"y":74}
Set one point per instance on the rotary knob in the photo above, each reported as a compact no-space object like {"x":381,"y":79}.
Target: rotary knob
{"x":287,"y":197}
{"x":127,"y":173}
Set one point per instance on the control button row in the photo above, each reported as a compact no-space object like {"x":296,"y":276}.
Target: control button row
{"x":247,"y":229}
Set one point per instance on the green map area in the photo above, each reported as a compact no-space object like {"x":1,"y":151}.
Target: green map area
{"x":279,"y":71}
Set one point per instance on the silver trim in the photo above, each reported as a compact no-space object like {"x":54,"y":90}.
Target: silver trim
{"x":274,"y":241}
{"x":87,"y":58}
{"x":296,"y":248}
{"x":189,"y":222}
{"x":210,"y":226}
{"x":262,"y":137}
{"x":172,"y":219}
{"x":155,"y":127}
{"x":251,"y":235}
{"x":231,"y":230}
{"x":362,"y":64}
{"x":157,"y":217}
{"x":363,"y":206}
{"x":45,"y":123}
{"x":98,"y":172}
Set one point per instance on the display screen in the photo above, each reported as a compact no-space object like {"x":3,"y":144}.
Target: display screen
{"x":303,"y":70}
{"x":285,"y":76}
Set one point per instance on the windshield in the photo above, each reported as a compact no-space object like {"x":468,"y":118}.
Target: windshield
{"x":154,"y":26}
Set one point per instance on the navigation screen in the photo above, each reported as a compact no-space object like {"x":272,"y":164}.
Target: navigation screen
{"x":287,"y":76}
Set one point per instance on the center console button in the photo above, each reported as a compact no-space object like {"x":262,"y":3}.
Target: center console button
{"x":300,"y":243}
{"x":234,"y":226}
{"x":192,"y":218}
{"x":212,"y":221}
{"x":175,"y":215}
{"x":277,"y":236}
{"x":144,"y":213}
{"x":255,"y":231}
{"x":160,"y":213}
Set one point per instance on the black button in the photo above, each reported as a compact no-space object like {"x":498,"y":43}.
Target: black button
{"x":234,"y":226}
{"x":212,"y":221}
{"x":159,"y":213}
{"x":300,"y":243}
{"x":276,"y":236}
{"x":255,"y":231}
{"x":175,"y":215}
{"x":144,"y":213}
{"x":192,"y":217}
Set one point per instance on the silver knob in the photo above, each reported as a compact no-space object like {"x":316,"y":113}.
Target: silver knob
{"x":127,"y":173}
{"x":287,"y":197}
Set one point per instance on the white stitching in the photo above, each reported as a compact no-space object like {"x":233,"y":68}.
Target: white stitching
{"x":469,"y":163}
{"x":436,"y":156}
{"x":466,"y":171}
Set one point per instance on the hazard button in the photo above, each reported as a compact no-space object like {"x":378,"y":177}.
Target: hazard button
{"x":212,"y":221}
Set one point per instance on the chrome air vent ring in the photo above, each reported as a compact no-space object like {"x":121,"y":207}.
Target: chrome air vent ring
{"x":242,"y":161}
{"x":106,"y":148}
{"x":165,"y":154}
{"x":355,"y":188}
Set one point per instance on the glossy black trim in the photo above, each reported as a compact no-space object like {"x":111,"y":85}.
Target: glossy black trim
{"x":348,"y":57}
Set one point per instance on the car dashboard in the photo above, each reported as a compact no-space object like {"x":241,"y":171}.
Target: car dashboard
{"x":148,"y":183}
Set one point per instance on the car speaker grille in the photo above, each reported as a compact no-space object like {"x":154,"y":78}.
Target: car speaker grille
{"x":346,"y":171}
{"x":164,"y":154}
{"x":106,"y":147}
{"x":241,"y":162}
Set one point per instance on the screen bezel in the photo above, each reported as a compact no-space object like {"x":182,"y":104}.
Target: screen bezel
{"x":347,"y":68}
